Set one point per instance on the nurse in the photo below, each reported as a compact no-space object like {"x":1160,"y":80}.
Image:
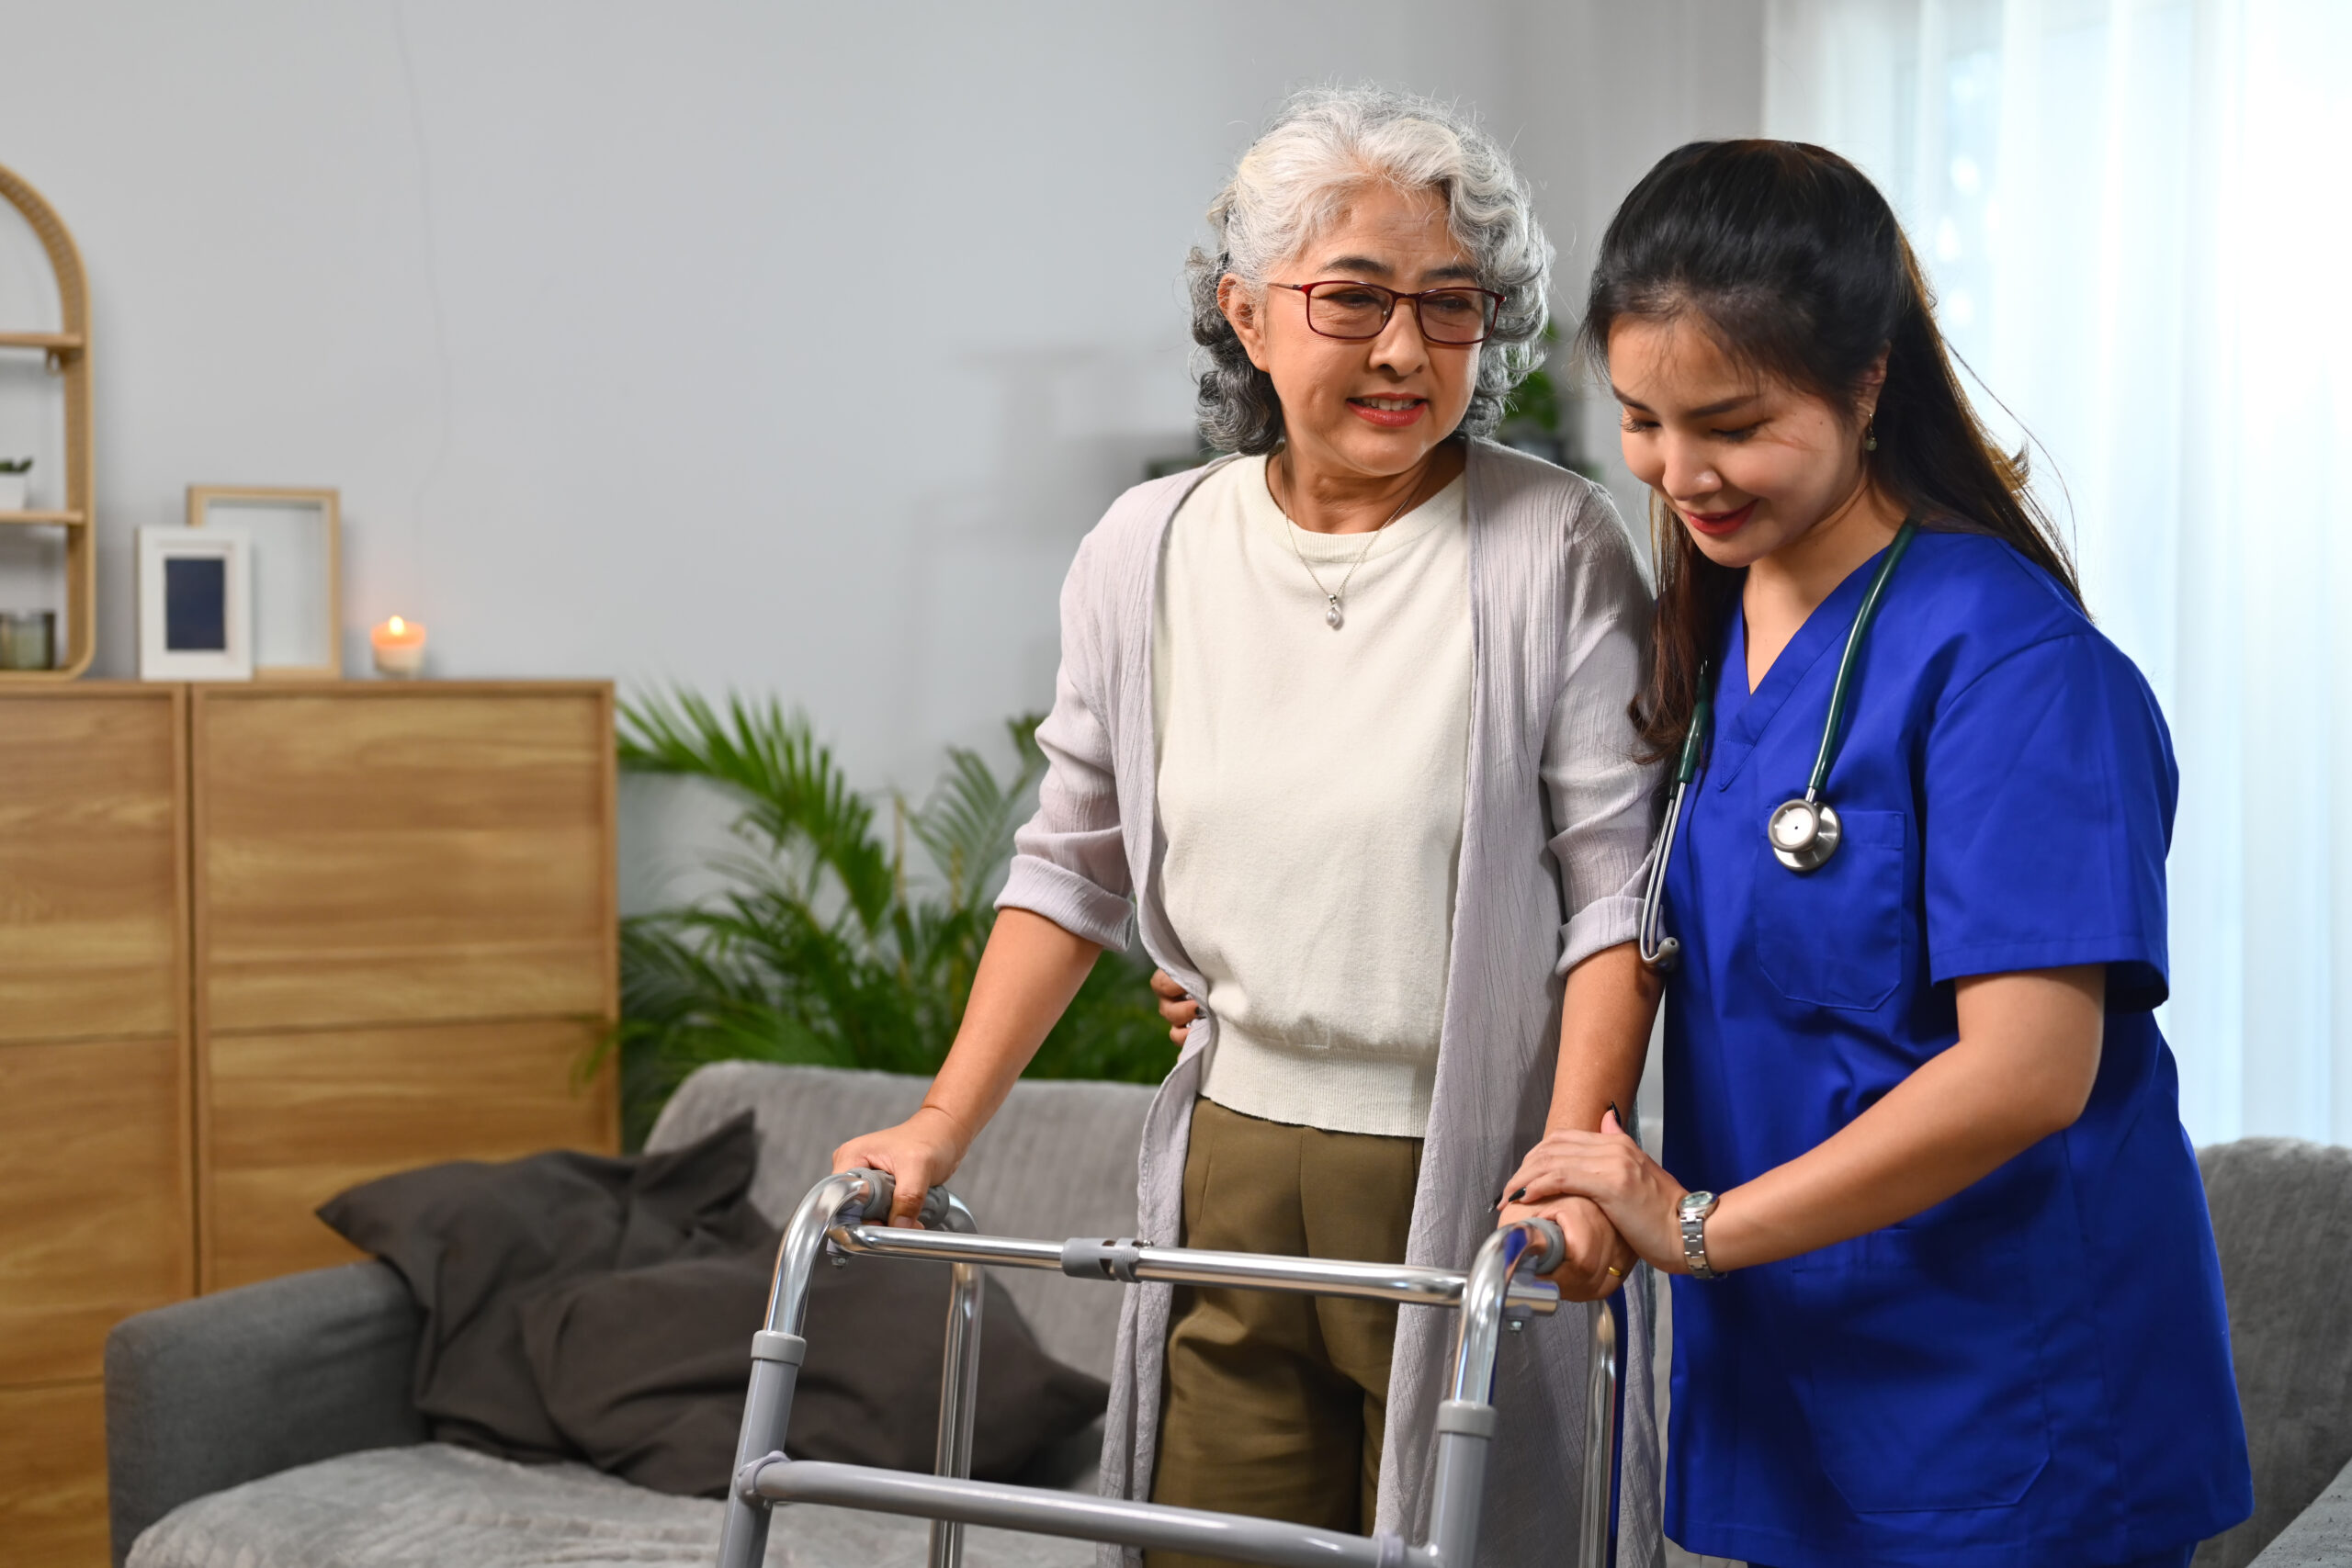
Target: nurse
{"x":1945,"y":1289}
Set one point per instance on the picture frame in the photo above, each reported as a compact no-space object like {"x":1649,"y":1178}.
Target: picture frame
{"x":195,"y":605}
{"x":295,"y":562}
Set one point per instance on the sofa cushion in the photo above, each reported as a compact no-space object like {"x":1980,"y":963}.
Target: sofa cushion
{"x":476,"y":1241}
{"x":629,"y":1380}
{"x":1058,"y":1161}
{"x":432,"y":1505}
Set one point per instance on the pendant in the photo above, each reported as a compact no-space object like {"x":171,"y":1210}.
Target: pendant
{"x":1331,"y":617}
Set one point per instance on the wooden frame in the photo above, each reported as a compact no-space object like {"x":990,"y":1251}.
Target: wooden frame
{"x":232,"y":659}
{"x":275,"y":579}
{"x":67,"y":350}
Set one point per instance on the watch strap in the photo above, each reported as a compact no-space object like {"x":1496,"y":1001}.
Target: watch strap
{"x":1693,"y":1218}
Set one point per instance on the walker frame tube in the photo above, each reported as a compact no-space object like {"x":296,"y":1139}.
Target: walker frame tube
{"x":835,"y":1217}
{"x":959,"y":1387}
{"x":1594,"y":1527}
{"x":1406,"y":1283}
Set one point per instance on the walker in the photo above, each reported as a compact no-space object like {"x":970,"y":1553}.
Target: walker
{"x":1490,"y":1299}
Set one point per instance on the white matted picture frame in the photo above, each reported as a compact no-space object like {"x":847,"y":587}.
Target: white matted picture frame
{"x":195,"y":615}
{"x":296,"y":573}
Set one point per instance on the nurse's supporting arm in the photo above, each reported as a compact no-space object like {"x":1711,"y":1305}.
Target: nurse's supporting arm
{"x":1606,"y":1008}
{"x":2021,"y":1070}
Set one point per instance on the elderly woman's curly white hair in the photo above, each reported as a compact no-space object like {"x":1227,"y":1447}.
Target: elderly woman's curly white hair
{"x":1296,"y":178}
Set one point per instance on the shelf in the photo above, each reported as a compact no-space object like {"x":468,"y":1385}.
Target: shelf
{"x":65,"y":356}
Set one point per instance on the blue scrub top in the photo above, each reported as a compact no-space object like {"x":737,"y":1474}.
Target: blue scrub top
{"x":2036,"y":1371}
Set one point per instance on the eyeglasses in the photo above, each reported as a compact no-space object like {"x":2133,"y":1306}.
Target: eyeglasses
{"x":1358,"y":311}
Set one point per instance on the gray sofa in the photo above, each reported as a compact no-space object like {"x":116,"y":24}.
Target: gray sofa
{"x":2282,"y":1217}
{"x":271,"y":1426}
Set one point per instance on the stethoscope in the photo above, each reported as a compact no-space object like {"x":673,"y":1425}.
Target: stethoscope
{"x":1803,"y":832}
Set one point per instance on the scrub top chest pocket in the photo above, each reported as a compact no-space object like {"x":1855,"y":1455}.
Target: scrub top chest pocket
{"x":1840,"y":936}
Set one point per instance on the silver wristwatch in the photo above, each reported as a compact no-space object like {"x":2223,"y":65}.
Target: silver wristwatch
{"x":1692,"y":1212}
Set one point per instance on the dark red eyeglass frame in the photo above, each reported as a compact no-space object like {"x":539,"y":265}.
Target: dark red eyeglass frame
{"x":1388,"y":315}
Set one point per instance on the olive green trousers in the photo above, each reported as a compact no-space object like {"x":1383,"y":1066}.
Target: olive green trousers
{"x":1275,"y":1402}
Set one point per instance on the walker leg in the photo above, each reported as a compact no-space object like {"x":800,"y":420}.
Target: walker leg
{"x":1465,"y":1421}
{"x":959,"y":1386}
{"x":1460,"y":1487}
{"x":776,"y":1351}
{"x":767,"y":1411}
{"x":1600,"y":1441}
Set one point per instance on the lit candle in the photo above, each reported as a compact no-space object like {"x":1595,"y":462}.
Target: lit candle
{"x":400,"y":648}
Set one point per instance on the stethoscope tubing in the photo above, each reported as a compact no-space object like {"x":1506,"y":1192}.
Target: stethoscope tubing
{"x":1657,"y":949}
{"x":1660,"y":951}
{"x":1833,"y":732}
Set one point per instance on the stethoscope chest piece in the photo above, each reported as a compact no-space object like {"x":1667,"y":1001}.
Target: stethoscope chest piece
{"x":1803,"y":833}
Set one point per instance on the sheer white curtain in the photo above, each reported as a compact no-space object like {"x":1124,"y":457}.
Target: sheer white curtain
{"x":2139,"y":225}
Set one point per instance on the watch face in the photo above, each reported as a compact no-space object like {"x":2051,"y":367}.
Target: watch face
{"x":1697,"y":1205}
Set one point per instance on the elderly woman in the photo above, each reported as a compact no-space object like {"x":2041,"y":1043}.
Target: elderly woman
{"x":1342,"y":721}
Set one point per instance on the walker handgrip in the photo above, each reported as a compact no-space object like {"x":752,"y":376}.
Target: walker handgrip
{"x":880,"y":1190}
{"x":876,"y":1210}
{"x":1548,"y":1248}
{"x":934,"y":1213}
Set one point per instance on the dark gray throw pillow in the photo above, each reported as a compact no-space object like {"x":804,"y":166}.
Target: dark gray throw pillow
{"x":644,"y":1371}
{"x":475,"y":1241}
{"x":583,"y":1307}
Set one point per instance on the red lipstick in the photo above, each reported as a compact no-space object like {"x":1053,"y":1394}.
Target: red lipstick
{"x":1387,"y":419}
{"x":1715,"y":524}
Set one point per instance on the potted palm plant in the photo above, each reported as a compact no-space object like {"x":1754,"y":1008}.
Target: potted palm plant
{"x":827,"y":940}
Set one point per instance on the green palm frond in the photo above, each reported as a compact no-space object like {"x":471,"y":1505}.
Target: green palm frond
{"x":822,"y":945}
{"x":968,"y":824}
{"x":793,"y":792}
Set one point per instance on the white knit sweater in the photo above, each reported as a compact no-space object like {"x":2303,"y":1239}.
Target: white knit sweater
{"x":1311,"y":791}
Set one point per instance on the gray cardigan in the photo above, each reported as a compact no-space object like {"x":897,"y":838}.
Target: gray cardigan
{"x":1556,"y":823}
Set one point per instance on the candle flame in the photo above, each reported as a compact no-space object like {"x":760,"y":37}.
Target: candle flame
{"x":398,"y":625}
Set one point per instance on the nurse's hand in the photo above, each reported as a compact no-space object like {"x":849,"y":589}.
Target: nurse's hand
{"x":1175,"y":1004}
{"x":1598,"y":1260}
{"x":1632,"y":1190}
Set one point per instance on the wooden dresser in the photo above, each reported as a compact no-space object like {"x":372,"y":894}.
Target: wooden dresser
{"x":260,"y":943}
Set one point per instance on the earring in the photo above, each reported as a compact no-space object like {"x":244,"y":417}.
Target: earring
{"x":1870,"y":436}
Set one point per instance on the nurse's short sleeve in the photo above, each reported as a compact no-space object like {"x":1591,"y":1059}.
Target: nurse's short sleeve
{"x":2049,"y":793}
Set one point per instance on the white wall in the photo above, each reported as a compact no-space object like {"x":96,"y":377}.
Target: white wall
{"x":781,"y":347}
{"x":1619,"y":86}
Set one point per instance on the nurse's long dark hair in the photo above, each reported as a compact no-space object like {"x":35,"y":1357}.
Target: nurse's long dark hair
{"x":1796,"y":265}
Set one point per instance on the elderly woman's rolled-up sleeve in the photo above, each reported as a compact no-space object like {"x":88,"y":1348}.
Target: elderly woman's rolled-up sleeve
{"x":1602,"y":800}
{"x":1070,"y":861}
